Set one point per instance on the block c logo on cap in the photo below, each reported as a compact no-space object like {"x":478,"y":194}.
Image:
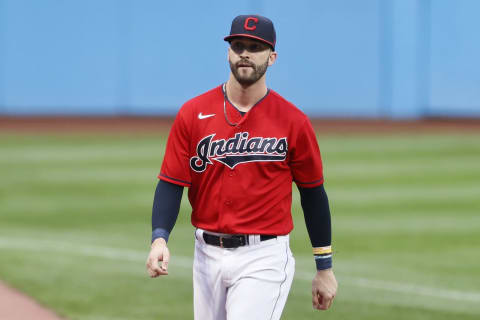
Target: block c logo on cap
{"x":250,"y":28}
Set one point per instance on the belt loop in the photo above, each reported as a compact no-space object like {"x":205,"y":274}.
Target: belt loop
{"x":256,"y":239}
{"x":199,"y":235}
{"x":221,"y":241}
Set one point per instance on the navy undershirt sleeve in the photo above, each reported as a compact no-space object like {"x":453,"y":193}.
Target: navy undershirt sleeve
{"x":317,"y":215}
{"x":166,"y":205}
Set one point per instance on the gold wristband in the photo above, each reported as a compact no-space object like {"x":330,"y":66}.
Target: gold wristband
{"x":322,"y":250}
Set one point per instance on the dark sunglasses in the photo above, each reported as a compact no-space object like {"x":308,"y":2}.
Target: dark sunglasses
{"x":253,"y":47}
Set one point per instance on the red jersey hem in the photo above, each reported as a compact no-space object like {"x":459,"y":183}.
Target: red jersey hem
{"x":174,"y":181}
{"x":312,"y":184}
{"x":244,"y":231}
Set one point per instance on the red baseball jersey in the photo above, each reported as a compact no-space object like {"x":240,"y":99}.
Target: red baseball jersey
{"x":239,"y":169}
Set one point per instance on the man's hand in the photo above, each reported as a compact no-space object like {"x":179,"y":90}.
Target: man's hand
{"x":159,"y":252}
{"x":324,"y":289}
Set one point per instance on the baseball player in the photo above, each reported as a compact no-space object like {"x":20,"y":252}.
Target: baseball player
{"x":238,"y":148}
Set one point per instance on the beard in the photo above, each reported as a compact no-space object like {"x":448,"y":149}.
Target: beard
{"x":248,"y":79}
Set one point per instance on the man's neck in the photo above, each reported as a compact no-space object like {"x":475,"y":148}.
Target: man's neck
{"x":244,"y":98}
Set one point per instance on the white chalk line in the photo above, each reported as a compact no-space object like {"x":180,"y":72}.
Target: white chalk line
{"x":407,"y":288}
{"x":186,"y":262}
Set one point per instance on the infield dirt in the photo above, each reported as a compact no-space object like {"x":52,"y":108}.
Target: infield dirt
{"x":162,"y":124}
{"x":17,"y":306}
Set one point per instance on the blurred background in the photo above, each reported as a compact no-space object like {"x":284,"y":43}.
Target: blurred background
{"x":371,"y":58}
{"x":88,"y":90}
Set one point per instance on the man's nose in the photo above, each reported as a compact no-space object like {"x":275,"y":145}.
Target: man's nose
{"x":244,"y":54}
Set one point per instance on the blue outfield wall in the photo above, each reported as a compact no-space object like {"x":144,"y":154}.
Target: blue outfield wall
{"x":343,"y":58}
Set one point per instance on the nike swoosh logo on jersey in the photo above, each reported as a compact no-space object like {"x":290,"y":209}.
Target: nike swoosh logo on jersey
{"x":205,"y":116}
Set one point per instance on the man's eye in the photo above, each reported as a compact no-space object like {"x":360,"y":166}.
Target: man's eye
{"x":237,"y":47}
{"x":254,"y":47}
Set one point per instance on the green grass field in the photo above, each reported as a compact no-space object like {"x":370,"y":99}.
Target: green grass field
{"x":75,"y":227}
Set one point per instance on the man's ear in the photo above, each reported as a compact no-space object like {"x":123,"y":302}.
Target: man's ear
{"x":272,"y":58}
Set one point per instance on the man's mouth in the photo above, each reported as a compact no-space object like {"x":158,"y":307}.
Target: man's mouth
{"x":246,"y":65}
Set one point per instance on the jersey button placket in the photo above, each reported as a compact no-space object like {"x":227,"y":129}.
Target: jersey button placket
{"x":229,"y":173}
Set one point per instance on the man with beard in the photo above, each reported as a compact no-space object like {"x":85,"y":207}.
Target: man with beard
{"x":238,"y":148}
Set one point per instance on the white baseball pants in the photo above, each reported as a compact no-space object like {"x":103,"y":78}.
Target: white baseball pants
{"x":250,"y":282}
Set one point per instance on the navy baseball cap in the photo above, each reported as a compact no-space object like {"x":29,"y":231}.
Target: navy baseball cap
{"x":254,"y":27}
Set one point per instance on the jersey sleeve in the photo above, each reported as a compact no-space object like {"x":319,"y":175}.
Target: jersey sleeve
{"x":306,"y":162}
{"x":175,"y":167}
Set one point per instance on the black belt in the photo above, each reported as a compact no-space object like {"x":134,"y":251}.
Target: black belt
{"x":231,"y":241}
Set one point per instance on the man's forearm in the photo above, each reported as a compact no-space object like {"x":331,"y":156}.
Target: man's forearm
{"x":316,"y":211}
{"x":166,"y":205}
